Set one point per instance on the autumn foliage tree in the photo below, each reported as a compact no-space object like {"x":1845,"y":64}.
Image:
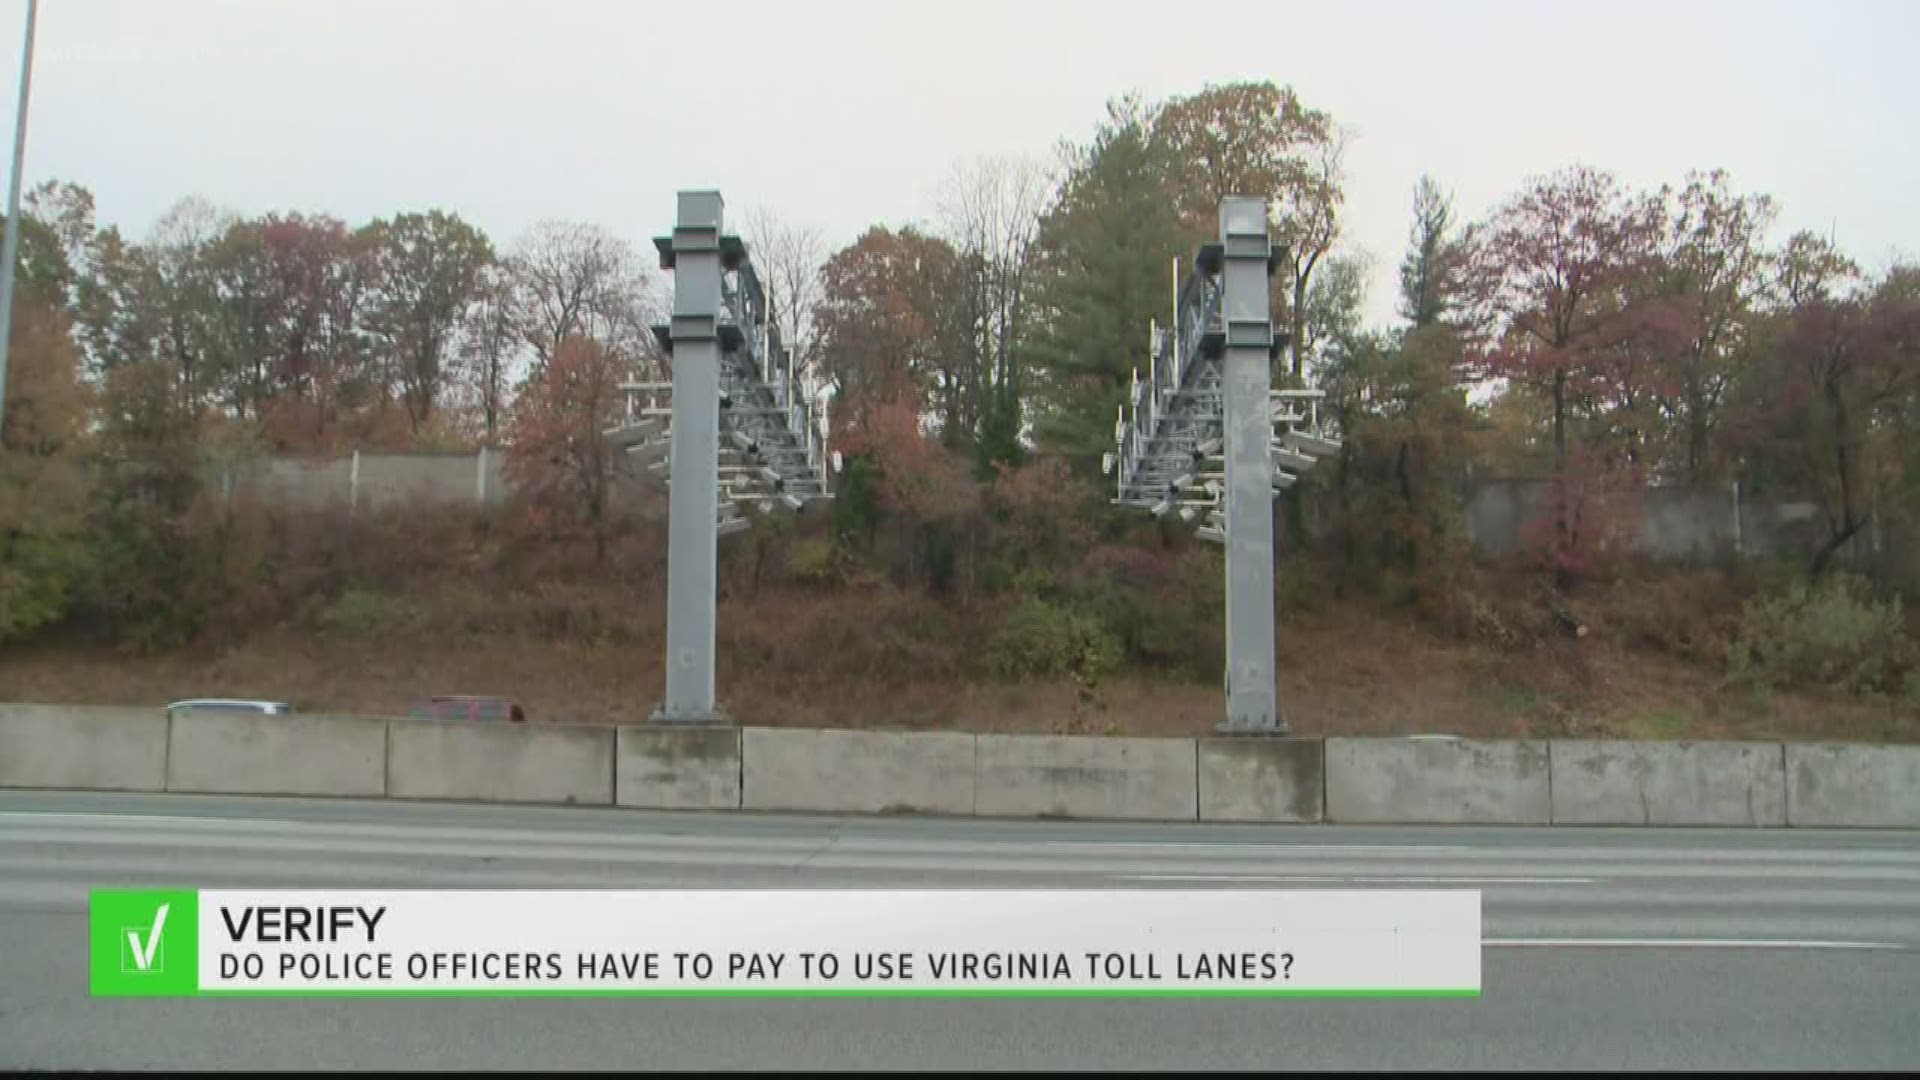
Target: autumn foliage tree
{"x":1711,"y":276}
{"x":1549,"y":273}
{"x":427,"y":269}
{"x":324,"y":335}
{"x":879,"y":323}
{"x":1549,"y":277}
{"x":922,"y":492}
{"x":315,"y":277}
{"x":1593,"y":510}
{"x":558,"y":453}
{"x":1252,"y":138}
{"x":974,"y":364}
{"x":43,"y":479}
{"x":1833,"y":391}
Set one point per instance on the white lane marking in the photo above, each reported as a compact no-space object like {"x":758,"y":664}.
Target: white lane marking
{"x":1212,"y":845}
{"x":38,"y":823}
{"x":1686,"y":943}
{"x":202,"y":831}
{"x":1385,"y":879}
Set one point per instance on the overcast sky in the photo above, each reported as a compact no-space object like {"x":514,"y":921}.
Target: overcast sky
{"x":844,"y":114}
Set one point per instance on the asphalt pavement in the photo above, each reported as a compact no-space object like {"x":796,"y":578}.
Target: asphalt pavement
{"x":1605,"y":948}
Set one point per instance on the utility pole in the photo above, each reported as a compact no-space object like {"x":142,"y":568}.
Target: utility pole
{"x":10,"y":250}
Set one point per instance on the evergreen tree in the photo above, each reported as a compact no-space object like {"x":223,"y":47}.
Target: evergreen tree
{"x":1427,"y":273}
{"x":1106,"y":248}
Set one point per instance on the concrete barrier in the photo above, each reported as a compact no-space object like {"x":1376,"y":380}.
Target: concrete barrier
{"x":1086,"y":776}
{"x":83,"y":746}
{"x":1618,"y":782}
{"x":1438,"y":781}
{"x":251,"y":754}
{"x":1342,"y":780}
{"x":677,"y":768}
{"x":862,"y":772}
{"x":496,"y":761}
{"x":1851,"y":785}
{"x":1262,"y":779}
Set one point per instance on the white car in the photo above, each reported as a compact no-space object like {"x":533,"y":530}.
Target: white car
{"x":265,"y":708}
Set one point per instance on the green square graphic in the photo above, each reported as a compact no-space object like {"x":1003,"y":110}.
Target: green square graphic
{"x":144,"y":942}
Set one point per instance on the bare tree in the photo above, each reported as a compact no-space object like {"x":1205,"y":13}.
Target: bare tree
{"x":183,"y":288}
{"x":788,"y":258}
{"x":990,"y":212}
{"x":1308,"y":224}
{"x":491,"y":350}
{"x":574,"y":278}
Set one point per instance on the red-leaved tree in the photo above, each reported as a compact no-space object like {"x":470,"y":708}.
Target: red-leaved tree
{"x":1833,"y":389}
{"x":1551,"y":277}
{"x":1594,"y":510}
{"x":558,"y":453}
{"x":878,"y":323}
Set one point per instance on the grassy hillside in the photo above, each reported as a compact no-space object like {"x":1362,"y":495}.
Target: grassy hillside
{"x":364,"y":616}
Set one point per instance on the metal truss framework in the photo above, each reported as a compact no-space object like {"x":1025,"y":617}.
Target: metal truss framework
{"x":1206,"y":437}
{"x":736,"y":428}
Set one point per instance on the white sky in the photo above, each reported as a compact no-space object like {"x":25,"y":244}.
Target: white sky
{"x":842,"y":114}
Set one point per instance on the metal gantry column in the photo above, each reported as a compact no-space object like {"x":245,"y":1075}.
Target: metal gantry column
{"x":1252,"y":704}
{"x":693,"y":502}
{"x":10,"y":248}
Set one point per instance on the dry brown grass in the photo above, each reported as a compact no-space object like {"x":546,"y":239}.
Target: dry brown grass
{"x":1341,"y":674}
{"x":366,"y":615}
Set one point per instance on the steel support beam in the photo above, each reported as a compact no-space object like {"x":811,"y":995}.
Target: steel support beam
{"x":692,"y":542}
{"x":1252,"y":702}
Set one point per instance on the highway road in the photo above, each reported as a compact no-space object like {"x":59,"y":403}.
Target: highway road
{"x":1606,"y":948}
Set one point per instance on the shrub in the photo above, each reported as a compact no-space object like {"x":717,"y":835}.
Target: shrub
{"x":1830,"y":634}
{"x":864,"y":632}
{"x":161,"y":578}
{"x":1299,"y":584}
{"x":358,"y":613}
{"x":1688,"y":613}
{"x":1040,"y":515}
{"x":1160,"y":608}
{"x":1043,"y":641}
{"x":37,"y":578}
{"x":1119,"y":587}
{"x":814,"y":562}
{"x":44,"y":554}
{"x":856,"y":506}
{"x":1590,"y":519}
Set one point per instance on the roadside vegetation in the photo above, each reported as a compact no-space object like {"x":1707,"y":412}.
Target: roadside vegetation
{"x":970,"y":572}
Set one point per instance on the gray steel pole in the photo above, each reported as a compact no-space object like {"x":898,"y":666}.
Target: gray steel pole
{"x":694,"y":501}
{"x":1246,"y":380}
{"x":10,"y":250}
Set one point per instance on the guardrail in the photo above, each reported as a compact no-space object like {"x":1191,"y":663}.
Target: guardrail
{"x":1254,"y":778}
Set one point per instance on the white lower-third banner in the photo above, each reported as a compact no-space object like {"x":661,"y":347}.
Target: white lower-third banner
{"x":1143,"y":943}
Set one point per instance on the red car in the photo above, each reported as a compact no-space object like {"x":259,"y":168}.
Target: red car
{"x":467,"y":707}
